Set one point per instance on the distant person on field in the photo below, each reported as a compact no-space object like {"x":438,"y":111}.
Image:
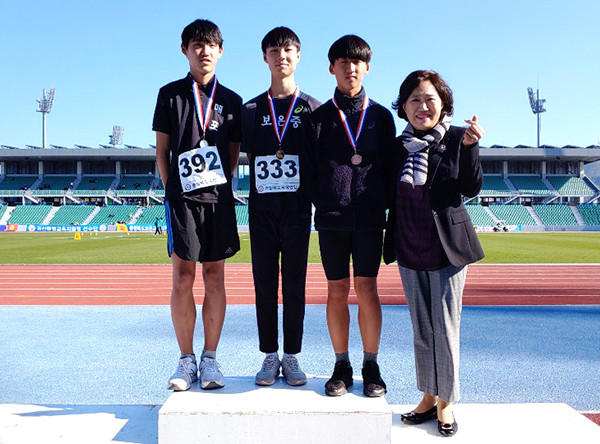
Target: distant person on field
{"x":431,"y":235}
{"x":198,"y":135}
{"x":348,"y":148}
{"x":158,"y":226}
{"x":279,"y":209}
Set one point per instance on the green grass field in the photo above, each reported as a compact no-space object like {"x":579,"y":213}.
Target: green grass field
{"x":144,"y":248}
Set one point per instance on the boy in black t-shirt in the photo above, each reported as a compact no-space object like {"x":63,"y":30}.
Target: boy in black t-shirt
{"x":348,"y":152}
{"x":279,"y":209}
{"x":198,"y":135}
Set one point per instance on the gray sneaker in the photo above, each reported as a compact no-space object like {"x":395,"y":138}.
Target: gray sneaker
{"x":210,"y":374}
{"x":291,"y":371}
{"x":185,"y":375}
{"x":269,"y":371}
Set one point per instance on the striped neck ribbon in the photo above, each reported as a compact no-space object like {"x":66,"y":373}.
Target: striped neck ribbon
{"x":351,"y":138}
{"x":204,"y":117}
{"x":288,"y":115}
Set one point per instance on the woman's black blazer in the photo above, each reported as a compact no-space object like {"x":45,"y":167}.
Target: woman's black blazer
{"x":454,"y":171}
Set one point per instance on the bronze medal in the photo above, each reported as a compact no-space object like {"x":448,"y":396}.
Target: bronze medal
{"x":356,"y":159}
{"x":279,"y":154}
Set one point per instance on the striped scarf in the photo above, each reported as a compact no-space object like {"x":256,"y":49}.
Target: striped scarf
{"x":415,"y":167}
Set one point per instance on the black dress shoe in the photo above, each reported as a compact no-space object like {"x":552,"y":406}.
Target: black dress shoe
{"x":340,"y":380}
{"x":447,"y":429}
{"x":373,"y":385}
{"x":418,"y":418}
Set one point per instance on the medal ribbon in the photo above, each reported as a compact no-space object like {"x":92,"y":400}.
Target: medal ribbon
{"x":287,"y":117}
{"x":204,"y":118}
{"x":353,"y":140}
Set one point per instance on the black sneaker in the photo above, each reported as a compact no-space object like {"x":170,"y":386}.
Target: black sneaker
{"x":340,"y":380}
{"x":373,"y":385}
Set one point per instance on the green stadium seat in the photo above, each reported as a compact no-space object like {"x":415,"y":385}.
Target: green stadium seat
{"x":494,"y":186}
{"x":72,"y":214}
{"x":512,"y":214}
{"x":134,"y":185}
{"x":243,"y":186}
{"x":555,"y":214}
{"x":14,"y":185}
{"x":530,"y":185}
{"x":93,"y":185}
{"x":241,"y":213}
{"x":112,"y":214}
{"x":29,"y":214}
{"x":570,"y":186}
{"x":53,"y":185}
{"x":150,"y":214}
{"x":590,"y":213}
{"x":158,"y":187}
{"x":479,"y":216}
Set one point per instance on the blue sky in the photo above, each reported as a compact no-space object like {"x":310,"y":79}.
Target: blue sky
{"x":108,"y":59}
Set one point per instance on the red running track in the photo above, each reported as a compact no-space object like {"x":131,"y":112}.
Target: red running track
{"x":151,"y":285}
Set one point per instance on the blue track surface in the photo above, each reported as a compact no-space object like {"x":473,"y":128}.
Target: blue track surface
{"x":124,"y":355}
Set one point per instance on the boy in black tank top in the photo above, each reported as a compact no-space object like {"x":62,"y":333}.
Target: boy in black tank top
{"x":279,"y":209}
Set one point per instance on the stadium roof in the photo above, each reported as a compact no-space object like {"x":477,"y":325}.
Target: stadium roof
{"x":79,"y":152}
{"x":545,"y":152}
{"x":129,"y":152}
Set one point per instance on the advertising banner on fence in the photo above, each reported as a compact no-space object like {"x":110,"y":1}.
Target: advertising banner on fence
{"x":66,"y":228}
{"x":101,"y":228}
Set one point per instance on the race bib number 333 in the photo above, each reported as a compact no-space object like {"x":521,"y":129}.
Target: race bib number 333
{"x":200,"y":168}
{"x":273,"y":175}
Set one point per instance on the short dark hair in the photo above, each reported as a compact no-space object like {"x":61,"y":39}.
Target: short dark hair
{"x":413,"y":80}
{"x":350,"y":47}
{"x":201,"y":31}
{"x":280,"y":36}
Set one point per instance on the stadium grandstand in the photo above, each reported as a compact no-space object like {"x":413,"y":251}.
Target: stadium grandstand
{"x":524,"y":188}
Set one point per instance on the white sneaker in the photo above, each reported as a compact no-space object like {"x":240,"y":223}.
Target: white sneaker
{"x":210,"y":374}
{"x":185,"y":375}
{"x":291,"y":371}
{"x":269,"y":371}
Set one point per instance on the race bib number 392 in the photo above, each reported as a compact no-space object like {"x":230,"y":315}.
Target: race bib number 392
{"x":200,"y":168}
{"x":273,"y":175}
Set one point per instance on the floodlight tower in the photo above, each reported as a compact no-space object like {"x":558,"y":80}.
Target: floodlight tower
{"x":117,"y":135}
{"x":537,"y":106}
{"x":44,"y":107}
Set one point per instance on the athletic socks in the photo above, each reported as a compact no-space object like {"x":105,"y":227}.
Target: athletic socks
{"x":209,"y":354}
{"x":342,"y":357}
{"x":189,"y":355}
{"x":346,"y":357}
{"x":369,"y":357}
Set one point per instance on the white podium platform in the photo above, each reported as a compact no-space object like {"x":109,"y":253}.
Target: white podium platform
{"x":137,"y":424}
{"x":503,"y":423}
{"x":242,"y":412}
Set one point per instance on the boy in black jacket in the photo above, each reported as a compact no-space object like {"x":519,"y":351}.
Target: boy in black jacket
{"x":279,"y":209}
{"x":348,"y":151}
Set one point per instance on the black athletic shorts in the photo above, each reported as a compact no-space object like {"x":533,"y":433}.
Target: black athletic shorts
{"x":337,"y":247}
{"x":201,"y":232}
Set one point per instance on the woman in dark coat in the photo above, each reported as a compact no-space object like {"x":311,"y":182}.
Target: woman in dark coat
{"x":431,"y":235}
